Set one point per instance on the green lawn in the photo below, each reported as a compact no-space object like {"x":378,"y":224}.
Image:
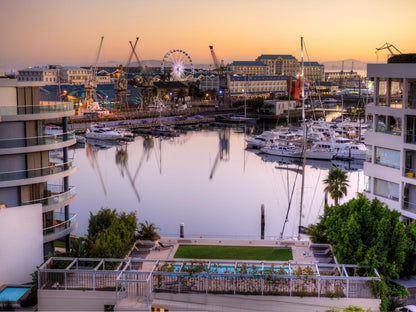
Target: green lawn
{"x":233,"y":253}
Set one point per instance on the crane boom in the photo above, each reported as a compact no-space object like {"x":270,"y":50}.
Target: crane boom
{"x":214,"y":58}
{"x":388,"y":46}
{"x":98,"y":55}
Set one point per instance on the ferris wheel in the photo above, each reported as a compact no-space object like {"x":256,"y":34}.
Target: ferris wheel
{"x":180,"y":61}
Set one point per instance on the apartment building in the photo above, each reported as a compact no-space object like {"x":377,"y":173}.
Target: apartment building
{"x":313,"y":72}
{"x":390,"y":168}
{"x":34,"y":181}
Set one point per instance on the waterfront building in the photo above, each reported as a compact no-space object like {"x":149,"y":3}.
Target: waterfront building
{"x":280,"y":64}
{"x":390,"y":168}
{"x":313,"y":72}
{"x":74,"y":75}
{"x":257,"y":85}
{"x":248,"y":68}
{"x":34,"y":178}
{"x":48,"y":74}
{"x":209,"y":82}
{"x":277,"y":107}
{"x":343,"y":79}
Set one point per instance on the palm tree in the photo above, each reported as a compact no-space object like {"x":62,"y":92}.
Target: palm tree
{"x":336,"y":184}
{"x":148,"y":231}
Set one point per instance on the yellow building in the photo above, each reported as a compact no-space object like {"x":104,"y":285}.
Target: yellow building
{"x":313,"y":71}
{"x":248,"y":68}
{"x":280,"y":64}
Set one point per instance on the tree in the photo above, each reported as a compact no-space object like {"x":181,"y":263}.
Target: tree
{"x":110,"y":234}
{"x":373,"y":236}
{"x":148,"y":231}
{"x":336,"y":184}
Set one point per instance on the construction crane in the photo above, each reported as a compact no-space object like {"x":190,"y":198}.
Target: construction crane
{"x":121,"y":83}
{"x":221,"y":69}
{"x":388,"y":46}
{"x":144,"y":80}
{"x":91,"y":82}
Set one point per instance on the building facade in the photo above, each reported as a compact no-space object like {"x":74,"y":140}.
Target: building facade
{"x":390,"y":168}
{"x":313,"y":72}
{"x":280,"y":64}
{"x":48,"y":74}
{"x":248,"y":68}
{"x":257,"y":85}
{"x":34,"y":181}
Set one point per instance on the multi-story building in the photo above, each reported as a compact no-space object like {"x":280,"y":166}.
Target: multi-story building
{"x":280,"y":64}
{"x":34,"y":182}
{"x":74,"y":75}
{"x":313,"y":72}
{"x":48,"y":74}
{"x":390,"y":168}
{"x":257,"y":85}
{"x":248,"y":68}
{"x":209,"y":82}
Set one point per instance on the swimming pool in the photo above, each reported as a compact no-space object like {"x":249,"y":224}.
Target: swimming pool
{"x":12,"y":294}
{"x":221,"y":269}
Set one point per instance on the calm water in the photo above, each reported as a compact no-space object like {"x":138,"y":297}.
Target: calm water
{"x":215,"y":192}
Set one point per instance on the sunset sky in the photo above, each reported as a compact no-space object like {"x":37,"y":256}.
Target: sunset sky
{"x":39,"y":32}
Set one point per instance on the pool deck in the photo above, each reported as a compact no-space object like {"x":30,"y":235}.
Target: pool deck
{"x":300,"y":248}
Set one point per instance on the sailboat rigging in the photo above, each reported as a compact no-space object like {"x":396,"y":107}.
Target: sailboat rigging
{"x":304,"y":141}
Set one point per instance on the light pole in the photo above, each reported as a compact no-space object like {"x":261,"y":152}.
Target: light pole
{"x":245,"y":103}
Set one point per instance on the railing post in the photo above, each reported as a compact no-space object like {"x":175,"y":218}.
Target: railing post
{"x":319,"y":287}
{"x":348,"y":288}
{"x":93,"y":281}
{"x":65,"y":281}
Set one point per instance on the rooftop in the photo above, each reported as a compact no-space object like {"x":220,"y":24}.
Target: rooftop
{"x":247,"y":63}
{"x":276,"y":56}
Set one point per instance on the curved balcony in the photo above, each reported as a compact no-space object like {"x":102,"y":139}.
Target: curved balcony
{"x":34,"y":112}
{"x":58,"y":198}
{"x":36,"y":144}
{"x":60,"y":228}
{"x":32,"y":176}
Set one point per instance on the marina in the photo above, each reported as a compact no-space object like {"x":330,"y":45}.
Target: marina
{"x":207,"y":180}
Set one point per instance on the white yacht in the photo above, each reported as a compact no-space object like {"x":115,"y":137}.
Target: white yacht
{"x":286,"y":150}
{"x":346,"y":149}
{"x":321,"y":150}
{"x":102,"y":133}
{"x":257,"y":141}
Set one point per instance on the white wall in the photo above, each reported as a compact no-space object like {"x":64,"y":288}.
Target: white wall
{"x":21,"y":243}
{"x":8,"y":96}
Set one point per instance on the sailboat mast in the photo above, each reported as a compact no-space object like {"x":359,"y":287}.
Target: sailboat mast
{"x":304,"y":141}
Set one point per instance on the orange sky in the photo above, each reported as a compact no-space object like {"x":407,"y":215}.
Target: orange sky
{"x":37,"y":32}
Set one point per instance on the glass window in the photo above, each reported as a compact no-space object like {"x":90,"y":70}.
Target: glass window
{"x":386,"y":189}
{"x":369,"y":153}
{"x":367,"y":184}
{"x":389,"y":124}
{"x":387,"y":157}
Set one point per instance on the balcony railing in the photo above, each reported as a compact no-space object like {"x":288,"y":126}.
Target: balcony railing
{"x":409,"y":206}
{"x":34,"y":173}
{"x":37,"y":109}
{"x":58,"y":195}
{"x":61,"y":224}
{"x":34,"y":141}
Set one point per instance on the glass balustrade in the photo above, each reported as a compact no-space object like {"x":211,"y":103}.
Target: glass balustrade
{"x":34,"y":173}
{"x":60,"y":225}
{"x":34,"y":141}
{"x":37,"y":109}
{"x":58,"y":195}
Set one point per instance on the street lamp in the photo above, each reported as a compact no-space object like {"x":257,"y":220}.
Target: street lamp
{"x":245,"y":103}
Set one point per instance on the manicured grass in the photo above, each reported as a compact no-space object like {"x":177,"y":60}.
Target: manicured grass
{"x":233,"y":253}
{"x":59,"y":244}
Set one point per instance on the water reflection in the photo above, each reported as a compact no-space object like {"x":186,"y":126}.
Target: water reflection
{"x":129,"y":178}
{"x":223,"y":149}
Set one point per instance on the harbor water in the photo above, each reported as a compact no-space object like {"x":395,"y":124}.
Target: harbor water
{"x":205,"y":179}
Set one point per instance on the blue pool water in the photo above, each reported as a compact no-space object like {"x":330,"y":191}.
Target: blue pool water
{"x":230,"y":269}
{"x":13,"y":293}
